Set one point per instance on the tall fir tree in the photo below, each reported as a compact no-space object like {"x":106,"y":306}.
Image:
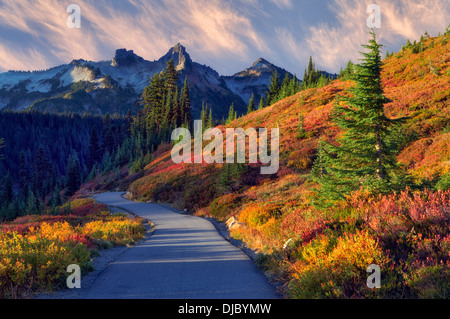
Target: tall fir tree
{"x":274,"y":89}
{"x":170,"y":76}
{"x":210,"y":123}
{"x":2,"y":144}
{"x":231,"y":115}
{"x":43,"y":173}
{"x":24,"y":176}
{"x":364,"y":156}
{"x":186,"y":104}
{"x":94,"y":151}
{"x":251,"y":104}
{"x":73,"y":175}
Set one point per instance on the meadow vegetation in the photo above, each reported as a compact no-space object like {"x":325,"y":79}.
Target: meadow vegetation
{"x":324,"y":252}
{"x":35,"y":250}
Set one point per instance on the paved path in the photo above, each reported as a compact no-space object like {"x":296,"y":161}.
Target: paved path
{"x":186,"y":258}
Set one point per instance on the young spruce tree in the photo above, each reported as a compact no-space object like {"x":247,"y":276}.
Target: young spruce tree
{"x":365,"y":154}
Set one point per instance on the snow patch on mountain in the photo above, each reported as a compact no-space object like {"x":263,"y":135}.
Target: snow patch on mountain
{"x":38,"y":81}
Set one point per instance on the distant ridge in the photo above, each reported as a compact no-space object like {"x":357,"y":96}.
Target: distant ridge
{"x":115,"y":86}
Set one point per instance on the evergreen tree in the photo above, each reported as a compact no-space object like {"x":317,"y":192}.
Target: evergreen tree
{"x":348,"y":72}
{"x":284,"y":89}
{"x":6,"y":192}
{"x":210,"y":123}
{"x":128,"y":124}
{"x":186,"y":104}
{"x":23,"y":172}
{"x":251,"y":104}
{"x":73,"y":176}
{"x":170,"y":76}
{"x":31,"y":206}
{"x":364,"y":156}
{"x":43,"y":172}
{"x":231,"y":115}
{"x":56,"y":198}
{"x":108,"y":135}
{"x":274,"y":89}
{"x":294,"y":86}
{"x":261,"y":103}
{"x":312,"y":75}
{"x":2,"y":144}
{"x":176,"y":118}
{"x":94,"y":150}
{"x":153,"y":99}
{"x":203,"y":116}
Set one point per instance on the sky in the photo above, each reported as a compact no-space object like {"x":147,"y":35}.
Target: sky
{"x":227,"y":35}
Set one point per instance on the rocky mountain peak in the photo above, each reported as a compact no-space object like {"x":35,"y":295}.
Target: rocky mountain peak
{"x":179,"y":55}
{"x":259,"y":67}
{"x":261,"y":63}
{"x":124,"y":57}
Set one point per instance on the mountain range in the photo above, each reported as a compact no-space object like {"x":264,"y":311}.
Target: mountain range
{"x":115,"y":86}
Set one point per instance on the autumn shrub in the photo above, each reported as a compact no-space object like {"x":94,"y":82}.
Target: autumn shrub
{"x":83,"y":207}
{"x":255,"y":215}
{"x":303,"y":224}
{"x":223,"y":206}
{"x":62,"y":232}
{"x":36,"y":258}
{"x":444,"y":182}
{"x":36,"y":263}
{"x":119,"y":231}
{"x":430,"y":282}
{"x":331,"y":267}
{"x":261,"y":226}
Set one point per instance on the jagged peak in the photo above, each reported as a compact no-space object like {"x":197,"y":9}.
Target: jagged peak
{"x":261,"y":62}
{"x":179,"y":56}
{"x":124,"y":57}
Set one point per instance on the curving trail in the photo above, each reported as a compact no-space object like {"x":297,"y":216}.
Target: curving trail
{"x":185,"y":258}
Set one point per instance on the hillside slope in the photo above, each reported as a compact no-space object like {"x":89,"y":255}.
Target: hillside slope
{"x":312,"y":250}
{"x":416,"y":91}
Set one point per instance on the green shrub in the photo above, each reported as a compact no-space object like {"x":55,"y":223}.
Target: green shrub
{"x":444,"y":182}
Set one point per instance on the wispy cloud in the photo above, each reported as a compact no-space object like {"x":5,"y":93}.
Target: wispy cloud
{"x":227,"y":35}
{"x":283,"y":3}
{"x":333,"y":45}
{"x":209,"y":28}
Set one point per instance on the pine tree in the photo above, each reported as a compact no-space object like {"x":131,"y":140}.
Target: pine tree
{"x":231,"y":115}
{"x":170,"y":76}
{"x":31,"y":206}
{"x":2,"y":144}
{"x":23,"y":172}
{"x":56,"y":198}
{"x":364,"y":156}
{"x":203,"y":115}
{"x":73,"y":175}
{"x":251,"y":104}
{"x":153,"y":99}
{"x":128,"y":124}
{"x":94,"y":150}
{"x":293,"y":87}
{"x":284,"y":89}
{"x":186,"y":104}
{"x":210,"y":123}
{"x":261,"y":103}
{"x":6,"y":191}
{"x":43,"y":172}
{"x":274,"y":89}
{"x":176,"y":118}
